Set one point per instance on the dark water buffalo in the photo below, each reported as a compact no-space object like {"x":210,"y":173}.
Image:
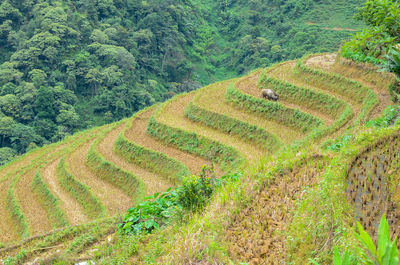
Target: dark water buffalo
{"x":269,"y":94}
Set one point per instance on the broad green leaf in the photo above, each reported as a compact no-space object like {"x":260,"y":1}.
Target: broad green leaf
{"x":366,"y":240}
{"x":337,"y":259}
{"x":383,"y":237}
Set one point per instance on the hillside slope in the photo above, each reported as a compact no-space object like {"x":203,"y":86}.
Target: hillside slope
{"x":70,"y":65}
{"x":81,"y":185}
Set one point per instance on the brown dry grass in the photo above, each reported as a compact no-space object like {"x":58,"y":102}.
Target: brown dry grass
{"x":257,"y":234}
{"x":68,"y":204}
{"x":216,"y":93}
{"x":115,"y":200}
{"x":137,"y":134}
{"x":367,"y":75}
{"x":153,"y":182}
{"x":173,"y":115}
{"x":249,"y":86}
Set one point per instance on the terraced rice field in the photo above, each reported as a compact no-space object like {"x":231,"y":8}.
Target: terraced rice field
{"x":102,"y":172}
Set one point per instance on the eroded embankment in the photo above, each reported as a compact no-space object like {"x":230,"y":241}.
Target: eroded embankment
{"x":372,"y":184}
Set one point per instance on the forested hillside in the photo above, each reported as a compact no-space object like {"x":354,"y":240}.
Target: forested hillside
{"x":71,"y":64}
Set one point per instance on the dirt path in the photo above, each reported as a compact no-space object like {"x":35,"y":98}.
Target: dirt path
{"x":113,"y":199}
{"x":216,"y":93}
{"x":152,"y":182}
{"x":367,"y":76}
{"x":257,"y":235}
{"x":249,"y":86}
{"x":69,"y":205}
{"x":173,"y":116}
{"x":137,"y":134}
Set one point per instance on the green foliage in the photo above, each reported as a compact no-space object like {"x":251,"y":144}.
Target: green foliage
{"x":6,"y":155}
{"x":91,"y":205}
{"x":157,"y":210}
{"x":390,"y":117}
{"x":126,"y":181}
{"x":339,"y":143}
{"x":392,"y":62}
{"x":346,"y":259}
{"x":195,"y":192}
{"x":304,"y":96}
{"x":244,"y":130}
{"x":49,"y":202}
{"x":386,"y":253}
{"x":381,"y":34}
{"x":227,"y":157}
{"x":150,"y":214}
{"x":272,"y":110}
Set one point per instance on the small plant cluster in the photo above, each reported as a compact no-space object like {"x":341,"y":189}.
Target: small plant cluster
{"x":118,"y":177}
{"x":153,"y":161}
{"x":157,"y":210}
{"x":272,"y":110}
{"x":338,"y":143}
{"x":338,"y":83}
{"x":347,"y":52}
{"x":49,"y":202}
{"x":304,"y":96}
{"x":391,"y":116}
{"x":226,"y":157}
{"x":251,"y":133}
{"x":91,"y":205}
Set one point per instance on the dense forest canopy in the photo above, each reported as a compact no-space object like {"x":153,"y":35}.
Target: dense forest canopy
{"x":67,"y":65}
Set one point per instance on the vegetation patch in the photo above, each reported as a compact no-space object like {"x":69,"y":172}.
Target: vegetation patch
{"x":272,"y":110}
{"x":258,"y":136}
{"x":92,"y":206}
{"x":49,"y":202}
